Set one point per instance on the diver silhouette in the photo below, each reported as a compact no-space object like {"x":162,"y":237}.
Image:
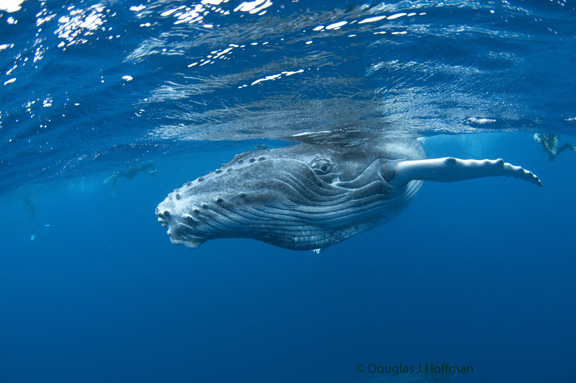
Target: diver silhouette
{"x":550,"y":144}
{"x":30,"y":208}
{"x":148,"y":168}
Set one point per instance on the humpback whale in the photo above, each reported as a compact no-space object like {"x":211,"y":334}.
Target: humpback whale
{"x":313,"y":194}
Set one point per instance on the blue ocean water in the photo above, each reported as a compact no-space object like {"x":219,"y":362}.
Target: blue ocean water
{"x":477,"y":273}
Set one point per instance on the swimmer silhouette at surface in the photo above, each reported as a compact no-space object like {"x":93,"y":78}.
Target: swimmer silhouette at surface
{"x":148,"y":168}
{"x":550,"y":144}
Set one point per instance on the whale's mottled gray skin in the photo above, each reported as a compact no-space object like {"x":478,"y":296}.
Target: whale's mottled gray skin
{"x":309,"y":196}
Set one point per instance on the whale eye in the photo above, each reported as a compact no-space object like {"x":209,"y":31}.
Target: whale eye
{"x":321,"y":166}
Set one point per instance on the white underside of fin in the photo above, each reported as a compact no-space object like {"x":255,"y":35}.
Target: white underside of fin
{"x":449,"y":169}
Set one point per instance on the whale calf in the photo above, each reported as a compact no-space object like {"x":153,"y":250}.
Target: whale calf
{"x":310,"y":196}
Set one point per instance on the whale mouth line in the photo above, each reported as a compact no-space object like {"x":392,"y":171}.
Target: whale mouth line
{"x":297,"y":226}
{"x":310,"y":212}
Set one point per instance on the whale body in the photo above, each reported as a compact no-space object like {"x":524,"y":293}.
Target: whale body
{"x":310,"y":196}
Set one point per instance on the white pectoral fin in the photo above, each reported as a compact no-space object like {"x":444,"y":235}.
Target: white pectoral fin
{"x":449,"y":169}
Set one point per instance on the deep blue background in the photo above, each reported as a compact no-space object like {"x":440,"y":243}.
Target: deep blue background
{"x":477,"y":273}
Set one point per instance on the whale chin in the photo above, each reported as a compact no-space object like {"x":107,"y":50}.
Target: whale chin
{"x":191,"y":244}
